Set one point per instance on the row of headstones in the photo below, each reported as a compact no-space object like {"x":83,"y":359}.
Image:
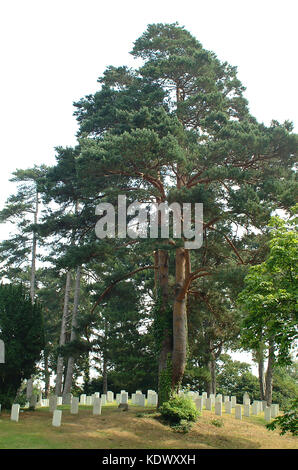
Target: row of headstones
{"x":229,"y":403}
{"x":95,"y":400}
{"x":137,"y":399}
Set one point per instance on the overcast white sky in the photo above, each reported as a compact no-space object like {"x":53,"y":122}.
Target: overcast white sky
{"x":52,"y":52}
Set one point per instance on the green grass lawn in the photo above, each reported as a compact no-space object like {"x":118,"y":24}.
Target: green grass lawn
{"x":138,"y":428}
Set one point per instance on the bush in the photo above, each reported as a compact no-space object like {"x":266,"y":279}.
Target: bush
{"x":178,"y":409}
{"x":288,"y":422}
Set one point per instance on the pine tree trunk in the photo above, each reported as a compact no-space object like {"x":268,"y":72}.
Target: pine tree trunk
{"x":166,"y":346}
{"x":73,"y":335}
{"x":269,"y":374}
{"x":179,"y":322}
{"x":262,"y":385}
{"x":60,"y":361}
{"x":46,"y":375}
{"x":213,"y":375}
{"x":105,"y":376}
{"x":29,"y":389}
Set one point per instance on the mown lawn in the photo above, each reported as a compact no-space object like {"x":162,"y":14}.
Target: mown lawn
{"x":134,"y":430}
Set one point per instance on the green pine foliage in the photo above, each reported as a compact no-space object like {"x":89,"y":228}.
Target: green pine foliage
{"x":22,"y":330}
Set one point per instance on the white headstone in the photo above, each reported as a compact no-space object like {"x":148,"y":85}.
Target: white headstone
{"x":118,"y":398}
{"x":255,"y":408}
{"x":15,"y":410}
{"x":110,"y":396}
{"x":83,"y":399}
{"x":124,"y":397}
{"x":274,"y":411}
{"x":226,"y":398}
{"x":228,"y":407}
{"x":97,"y":394}
{"x":199,"y":403}
{"x":89,"y":400}
{"x":246,"y":410}
{"x":57,"y":416}
{"x":209,"y":404}
{"x":267,"y":413}
{"x":74,"y":406}
{"x":140,"y":399}
{"x":204,"y":394}
{"x":103,"y":399}
{"x":97,"y":406}
{"x":233,"y":401}
{"x":59,"y":401}
{"x":152,"y":399}
{"x":238,"y":412}
{"x":218,"y":408}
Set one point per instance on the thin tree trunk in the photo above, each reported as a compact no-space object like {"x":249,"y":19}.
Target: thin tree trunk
{"x":213,"y":375}
{"x":166,"y":346}
{"x":73,"y":335}
{"x":46,"y":375}
{"x":105,"y":375}
{"x":261,"y":371}
{"x":29,"y":389}
{"x":269,"y":374}
{"x":179,"y":322}
{"x":60,"y":361}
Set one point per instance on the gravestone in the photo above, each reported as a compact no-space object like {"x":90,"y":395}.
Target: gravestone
{"x":124,"y":398}
{"x":2,"y":352}
{"x":255,"y":408}
{"x":246,"y":399}
{"x":74,"y":406}
{"x":209,"y":404}
{"x":59,"y":401}
{"x":89,"y":400}
{"x":83,"y":399}
{"x":97,"y":406}
{"x":204,"y":394}
{"x":233,"y":401}
{"x":133,"y":399}
{"x":140,"y":399}
{"x":218,"y":408}
{"x":238,"y":412}
{"x":152,"y":399}
{"x":199,"y":403}
{"x":118,"y":398}
{"x":267,"y":413}
{"x":110,"y":396}
{"x":274,"y":410}
{"x":103,"y":399}
{"x":15,"y":410}
{"x":57,"y":416}
{"x":246,"y":410}
{"x":53,"y":402}
{"x":228,"y":407}
{"x":219,"y":397}
{"x":97,"y":395}
{"x":212,"y":395}
{"x":226,"y":398}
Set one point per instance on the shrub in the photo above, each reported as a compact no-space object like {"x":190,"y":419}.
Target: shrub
{"x":288,"y":422}
{"x":178,"y":409}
